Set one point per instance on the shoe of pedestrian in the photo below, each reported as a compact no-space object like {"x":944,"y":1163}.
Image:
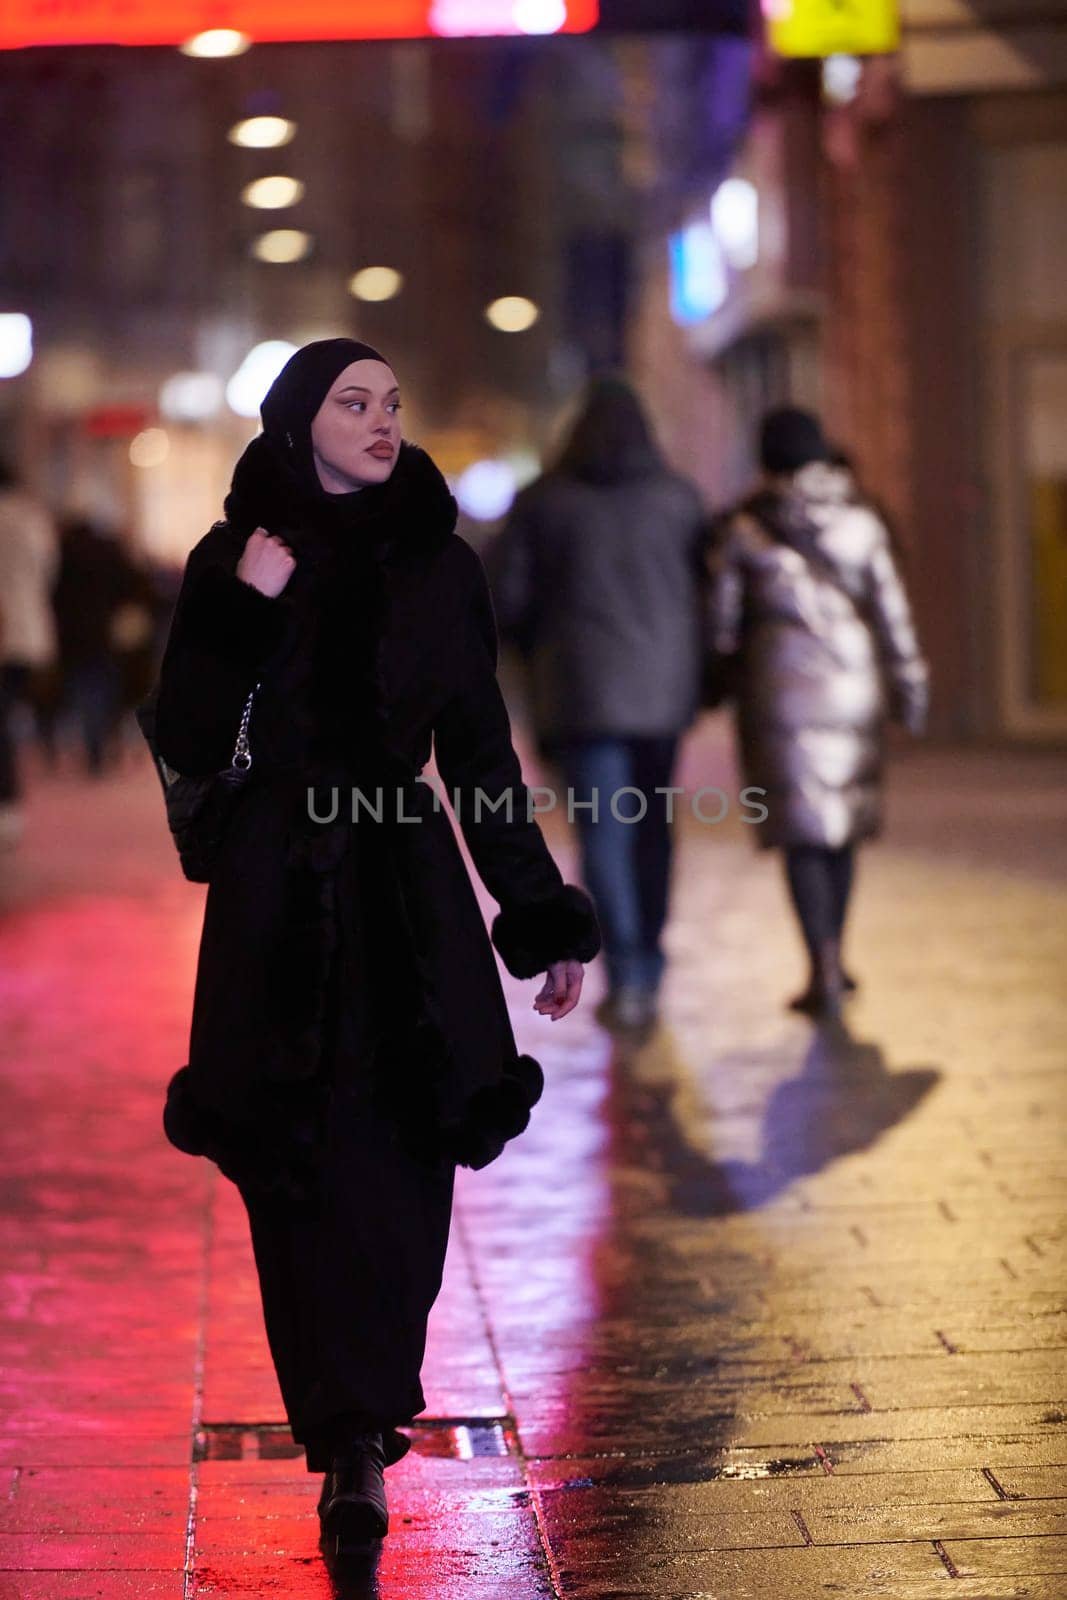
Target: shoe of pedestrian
{"x":628,"y":1009}
{"x":812,"y":1001}
{"x":828,"y":987}
{"x":352,"y":1507}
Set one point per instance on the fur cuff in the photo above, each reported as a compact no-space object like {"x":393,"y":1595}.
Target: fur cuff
{"x":234,"y":620}
{"x":530,"y":938}
{"x":494,"y":1115}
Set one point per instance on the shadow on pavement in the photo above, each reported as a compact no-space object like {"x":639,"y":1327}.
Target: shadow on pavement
{"x":843,"y":1100}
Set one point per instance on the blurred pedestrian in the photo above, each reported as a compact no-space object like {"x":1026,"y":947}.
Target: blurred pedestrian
{"x":595,"y":578}
{"x":350,"y":1039}
{"x":29,"y":554}
{"x":103,"y":606}
{"x":808,"y":598}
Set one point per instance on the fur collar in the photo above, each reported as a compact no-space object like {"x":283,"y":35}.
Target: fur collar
{"x":414,"y":509}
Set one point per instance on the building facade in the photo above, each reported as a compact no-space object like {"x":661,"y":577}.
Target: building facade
{"x":906,"y":279}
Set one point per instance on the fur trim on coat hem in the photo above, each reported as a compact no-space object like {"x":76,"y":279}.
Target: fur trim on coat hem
{"x":564,"y":928}
{"x":275,"y":1157}
{"x":272,"y":1161}
{"x":494,"y":1114}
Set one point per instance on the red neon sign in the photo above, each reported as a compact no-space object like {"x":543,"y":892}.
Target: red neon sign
{"x":172,"y":22}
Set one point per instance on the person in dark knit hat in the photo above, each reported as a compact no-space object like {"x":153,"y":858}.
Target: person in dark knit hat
{"x":350,"y":1044}
{"x":807,"y":598}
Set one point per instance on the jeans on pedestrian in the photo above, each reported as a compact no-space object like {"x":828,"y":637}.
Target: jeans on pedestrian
{"x":625,"y":846}
{"x":94,"y":690}
{"x":14,"y":678}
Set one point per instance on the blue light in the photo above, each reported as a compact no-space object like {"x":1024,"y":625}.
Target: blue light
{"x":698,"y":274}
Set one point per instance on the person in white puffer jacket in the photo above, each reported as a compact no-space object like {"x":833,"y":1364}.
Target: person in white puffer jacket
{"x":29,"y":561}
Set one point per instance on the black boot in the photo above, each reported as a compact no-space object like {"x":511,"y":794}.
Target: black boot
{"x":352,"y":1506}
{"x":829,"y":984}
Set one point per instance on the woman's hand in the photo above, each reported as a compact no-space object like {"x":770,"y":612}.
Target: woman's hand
{"x":562,"y":989}
{"x":267,"y":563}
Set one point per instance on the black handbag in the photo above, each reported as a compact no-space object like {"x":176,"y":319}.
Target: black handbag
{"x":199,"y":810}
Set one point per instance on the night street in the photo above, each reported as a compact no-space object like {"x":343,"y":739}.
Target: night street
{"x":752,"y":1310}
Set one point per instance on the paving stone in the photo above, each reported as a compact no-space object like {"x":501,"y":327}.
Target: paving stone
{"x":73,"y":1552}
{"x":738,"y":1574}
{"x":1001,"y":1519}
{"x":977,"y":1558}
{"x":1034,"y":1483}
{"x":92,"y":1585}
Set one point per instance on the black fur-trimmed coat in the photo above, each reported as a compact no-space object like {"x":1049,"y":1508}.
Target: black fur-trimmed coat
{"x":408,"y":662}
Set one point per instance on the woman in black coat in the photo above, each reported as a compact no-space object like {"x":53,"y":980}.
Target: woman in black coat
{"x":350,"y":1042}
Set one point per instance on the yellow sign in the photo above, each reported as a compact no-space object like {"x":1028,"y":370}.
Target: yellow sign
{"x":832,"y":27}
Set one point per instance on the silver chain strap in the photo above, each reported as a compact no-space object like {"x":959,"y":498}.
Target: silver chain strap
{"x":242,"y":755}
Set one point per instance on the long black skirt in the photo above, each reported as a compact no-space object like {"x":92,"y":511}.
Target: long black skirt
{"x":348,"y":1284}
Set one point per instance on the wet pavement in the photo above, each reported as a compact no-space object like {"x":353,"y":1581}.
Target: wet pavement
{"x":755,"y":1309}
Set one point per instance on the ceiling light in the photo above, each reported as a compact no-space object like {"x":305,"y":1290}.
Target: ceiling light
{"x":272,"y":194}
{"x":282,"y":245}
{"x":512,"y":314}
{"x":216,"y":42}
{"x":376,"y":283}
{"x":262,"y":133}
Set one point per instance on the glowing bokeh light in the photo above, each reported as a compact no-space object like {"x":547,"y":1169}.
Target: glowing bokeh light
{"x":486,"y":490}
{"x":376,"y":283}
{"x":699,"y":284}
{"x":841,"y":79}
{"x":262,"y":133}
{"x":16,"y":343}
{"x":282,"y":245}
{"x":258,"y":370}
{"x":513,"y":313}
{"x":540,"y":16}
{"x":473,"y":18}
{"x":216,"y":43}
{"x":150,"y":447}
{"x":191,"y":397}
{"x":272,"y":194}
{"x":735,"y":218}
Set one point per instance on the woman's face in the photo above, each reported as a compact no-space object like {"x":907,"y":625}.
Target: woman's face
{"x":355,"y":437}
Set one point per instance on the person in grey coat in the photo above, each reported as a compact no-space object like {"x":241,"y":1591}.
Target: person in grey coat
{"x":807,"y":597}
{"x":596,"y":581}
